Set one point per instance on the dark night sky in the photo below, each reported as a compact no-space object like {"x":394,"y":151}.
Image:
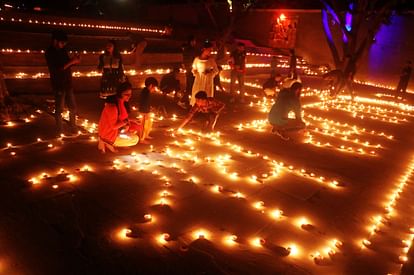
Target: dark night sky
{"x":129,"y":9}
{"x":91,"y":4}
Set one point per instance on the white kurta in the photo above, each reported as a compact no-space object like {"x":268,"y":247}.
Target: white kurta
{"x":204,"y":72}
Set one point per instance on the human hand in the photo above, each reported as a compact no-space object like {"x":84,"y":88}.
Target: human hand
{"x":178,"y":130}
{"x":171,"y":132}
{"x":302,"y":123}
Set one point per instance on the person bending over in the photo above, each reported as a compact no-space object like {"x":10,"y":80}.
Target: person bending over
{"x":115,"y":128}
{"x":287,"y":101}
{"x":272,"y":85}
{"x":206,"y":105}
{"x":171,"y":84}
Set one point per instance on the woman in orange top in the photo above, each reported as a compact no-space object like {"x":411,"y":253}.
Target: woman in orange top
{"x":115,"y":128}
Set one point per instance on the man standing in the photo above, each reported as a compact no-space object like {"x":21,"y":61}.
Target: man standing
{"x":189,"y":53}
{"x":59,"y":65}
{"x":404,"y":79}
{"x":237,"y":64}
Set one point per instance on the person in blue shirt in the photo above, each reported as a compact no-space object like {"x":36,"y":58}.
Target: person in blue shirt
{"x":288,"y":100}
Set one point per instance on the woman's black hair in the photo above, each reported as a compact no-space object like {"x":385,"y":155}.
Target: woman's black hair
{"x":207,"y":44}
{"x":201,"y":95}
{"x":116,"y":50}
{"x":296,"y":86}
{"x":151,"y":81}
{"x":122,"y":87}
{"x":113,"y":99}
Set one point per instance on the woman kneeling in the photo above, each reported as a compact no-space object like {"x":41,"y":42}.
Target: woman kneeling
{"x":115,"y":128}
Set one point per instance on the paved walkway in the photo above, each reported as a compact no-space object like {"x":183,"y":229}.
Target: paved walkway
{"x":241,"y":201}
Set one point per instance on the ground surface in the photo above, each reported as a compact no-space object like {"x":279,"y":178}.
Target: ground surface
{"x":241,"y":201}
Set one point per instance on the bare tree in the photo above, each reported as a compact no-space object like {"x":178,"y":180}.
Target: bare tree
{"x":235,"y":10}
{"x":357,"y":22}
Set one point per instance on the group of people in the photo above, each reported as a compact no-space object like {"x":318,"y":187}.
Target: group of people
{"x":202,"y":70}
{"x":117,"y":129}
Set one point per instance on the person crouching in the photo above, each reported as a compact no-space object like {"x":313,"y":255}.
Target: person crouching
{"x":171,"y":84}
{"x":115,"y":128}
{"x":287,"y":101}
{"x":207,"y":105}
{"x":272,"y":85}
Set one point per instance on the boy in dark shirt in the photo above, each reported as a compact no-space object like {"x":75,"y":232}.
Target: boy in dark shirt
{"x":59,"y":65}
{"x":207,"y":105}
{"x":287,"y":100}
{"x":144,"y":106}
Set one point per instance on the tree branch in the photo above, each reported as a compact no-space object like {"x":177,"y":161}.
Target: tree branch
{"x":377,"y":22}
{"x":329,"y":38}
{"x":336,"y":17}
{"x":207,"y":6}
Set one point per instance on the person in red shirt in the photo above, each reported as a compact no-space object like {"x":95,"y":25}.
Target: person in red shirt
{"x":115,"y":128}
{"x":207,"y":105}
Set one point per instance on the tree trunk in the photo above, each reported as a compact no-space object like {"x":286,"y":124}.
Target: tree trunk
{"x":364,"y":15}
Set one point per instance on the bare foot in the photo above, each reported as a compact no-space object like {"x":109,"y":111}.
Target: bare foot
{"x":101,"y":146}
{"x":110,"y":147}
{"x":144,"y":141}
